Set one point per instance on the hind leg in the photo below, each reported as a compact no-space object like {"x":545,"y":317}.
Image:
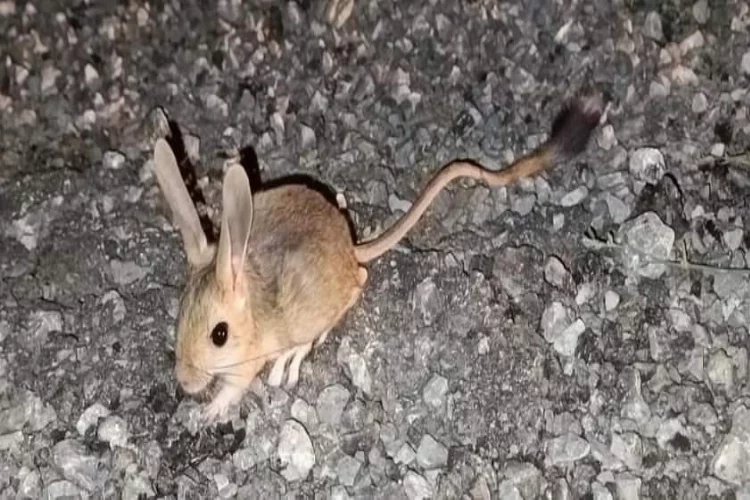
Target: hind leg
{"x":361,"y":281}
{"x":299,"y":353}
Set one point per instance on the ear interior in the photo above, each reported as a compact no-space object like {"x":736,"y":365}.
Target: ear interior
{"x":183,"y":211}
{"x":236,"y":223}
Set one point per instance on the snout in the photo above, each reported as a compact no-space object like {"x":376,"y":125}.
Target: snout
{"x":191,"y":380}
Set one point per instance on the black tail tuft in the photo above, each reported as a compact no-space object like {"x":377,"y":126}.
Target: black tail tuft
{"x":574,"y":125}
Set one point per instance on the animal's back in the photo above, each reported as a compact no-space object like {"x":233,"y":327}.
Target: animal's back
{"x":302,"y":246}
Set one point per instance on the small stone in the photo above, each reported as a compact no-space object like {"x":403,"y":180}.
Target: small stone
{"x":359,"y":373}
{"x":330,"y":404}
{"x":566,"y":449}
{"x":63,"y":490}
{"x":11,"y":440}
{"x":429,"y":301}
{"x":701,"y":12}
{"x":90,"y":74}
{"x":431,"y":454}
{"x":26,"y":410}
{"x":693,"y":42}
{"x":244,"y":459}
{"x":347,"y":469}
{"x":508,"y":491}
{"x":731,"y":463}
{"x":682,"y":75}
{"x":434,"y":391}
{"x":607,"y":139}
{"x":525,"y":478}
{"x":667,"y":431}
{"x":556,"y":274}
{"x":305,"y":414}
{"x":600,"y":492}
{"x":31,"y":485}
{"x":745,"y":64}
{"x":396,"y":204}
{"x":628,"y":487}
{"x":339,"y":493}
{"x":41,"y":323}
{"x":483,"y":346}
{"x":700,"y":103}
{"x":76,"y":465}
{"x":142,"y":17}
{"x":114,"y":431}
{"x":295,"y":451}
{"x":574,"y":197}
{"x":480,"y":490}
{"x":405,"y":455}
{"x":618,"y":210}
{"x":680,"y":320}
{"x":645,"y":239}
{"x":611,"y":300}
{"x":277,"y":124}
{"x":137,"y":486}
{"x":647,"y":165}
{"x":634,"y":406}
{"x":733,"y":238}
{"x":118,"y":305}
{"x":703,"y":414}
{"x":216,"y":105}
{"x":126,"y":272}
{"x":718,"y":150}
{"x":555,"y":319}
{"x":559,"y":329}
{"x":50,"y":74}
{"x":307,"y":137}
{"x":226,"y":488}
{"x":188,"y":414}
{"x":523,"y":205}
{"x":720,"y":371}
{"x":7,"y":8}
{"x":5,"y":330}
{"x":659,"y":89}
{"x":652,"y":27}
{"x":113,"y":160}
{"x":567,"y":343}
{"x":90,"y":417}
{"x":192,"y":147}
{"x":558,"y":221}
{"x":416,"y":487}
{"x":628,"y":448}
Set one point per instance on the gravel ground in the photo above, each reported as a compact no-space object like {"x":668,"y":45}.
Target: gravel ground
{"x":582,"y":335}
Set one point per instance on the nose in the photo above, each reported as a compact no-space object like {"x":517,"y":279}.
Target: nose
{"x":191,"y":381}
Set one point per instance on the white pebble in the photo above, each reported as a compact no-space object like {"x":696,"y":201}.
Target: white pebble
{"x":611,"y":300}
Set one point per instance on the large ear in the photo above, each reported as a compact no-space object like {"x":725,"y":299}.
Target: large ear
{"x":178,"y":199}
{"x":236,"y":222}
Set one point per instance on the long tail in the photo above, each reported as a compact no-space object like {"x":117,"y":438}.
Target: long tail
{"x":569,"y":136}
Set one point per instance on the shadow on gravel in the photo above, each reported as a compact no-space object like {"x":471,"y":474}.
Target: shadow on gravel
{"x":249,"y":162}
{"x":189,"y":176}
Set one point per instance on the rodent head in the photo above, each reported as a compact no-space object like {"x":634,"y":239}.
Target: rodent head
{"x":215,"y":328}
{"x":215,"y":331}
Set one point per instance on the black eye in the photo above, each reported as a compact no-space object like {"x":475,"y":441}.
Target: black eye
{"x":219,"y":334}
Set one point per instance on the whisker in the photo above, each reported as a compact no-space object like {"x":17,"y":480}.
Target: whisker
{"x":195,"y":367}
{"x":261,"y":356}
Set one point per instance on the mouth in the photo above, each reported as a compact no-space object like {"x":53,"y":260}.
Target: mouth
{"x":194,"y":384}
{"x":206,"y":391}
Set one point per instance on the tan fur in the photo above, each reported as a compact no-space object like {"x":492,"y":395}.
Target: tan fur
{"x":284,"y":273}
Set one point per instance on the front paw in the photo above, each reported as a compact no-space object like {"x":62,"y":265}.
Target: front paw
{"x":214,"y":412}
{"x":218,"y":409}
